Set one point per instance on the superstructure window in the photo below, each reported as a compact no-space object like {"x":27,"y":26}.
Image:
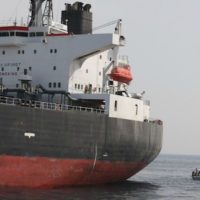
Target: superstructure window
{"x":30,"y":68}
{"x":21,"y":52}
{"x":2,"y":69}
{"x":34,"y":51}
{"x":25,"y":71}
{"x":3,"y":52}
{"x":53,"y":50}
{"x":136,"y":109}
{"x":54,"y":68}
{"x":115,"y":106}
{"x":59,"y":84}
{"x":50,"y":84}
{"x":54,"y":85}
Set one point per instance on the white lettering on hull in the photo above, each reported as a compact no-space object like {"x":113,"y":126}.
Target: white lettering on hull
{"x":29,"y":135}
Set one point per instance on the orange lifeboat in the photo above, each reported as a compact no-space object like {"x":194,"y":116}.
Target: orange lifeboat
{"x":122,"y":74}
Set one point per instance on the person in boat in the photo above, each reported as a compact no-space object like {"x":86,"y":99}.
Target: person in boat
{"x":195,"y":172}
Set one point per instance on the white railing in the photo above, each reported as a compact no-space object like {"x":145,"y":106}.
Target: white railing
{"x":46,"y":105}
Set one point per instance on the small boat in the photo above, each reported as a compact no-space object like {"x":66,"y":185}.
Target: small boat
{"x":196,"y":174}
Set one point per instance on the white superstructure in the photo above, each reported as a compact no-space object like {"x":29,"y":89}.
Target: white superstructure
{"x":46,"y":54}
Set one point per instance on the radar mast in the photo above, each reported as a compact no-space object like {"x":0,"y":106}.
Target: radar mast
{"x":38,"y":17}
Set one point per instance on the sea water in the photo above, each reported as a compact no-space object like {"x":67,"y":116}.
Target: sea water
{"x":167,"y":177}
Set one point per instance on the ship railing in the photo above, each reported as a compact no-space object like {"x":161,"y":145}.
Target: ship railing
{"x":9,"y":100}
{"x":47,"y":105}
{"x":156,"y":121}
{"x":64,"y":107}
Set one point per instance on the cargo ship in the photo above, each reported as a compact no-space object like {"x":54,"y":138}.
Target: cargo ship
{"x":67,"y":117}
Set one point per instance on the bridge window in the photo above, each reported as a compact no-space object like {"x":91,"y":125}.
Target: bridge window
{"x":32,"y":34}
{"x":50,"y":84}
{"x":12,"y":33}
{"x":54,"y":85}
{"x":4,"y":34}
{"x":59,"y":84}
{"x":22,"y":34}
{"x":39,"y":34}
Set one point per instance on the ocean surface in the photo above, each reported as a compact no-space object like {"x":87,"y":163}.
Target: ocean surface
{"x":168,"y":177}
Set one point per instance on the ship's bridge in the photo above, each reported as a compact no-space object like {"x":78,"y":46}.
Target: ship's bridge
{"x":17,"y":35}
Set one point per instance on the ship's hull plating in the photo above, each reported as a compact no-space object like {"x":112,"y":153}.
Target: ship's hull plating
{"x":41,"y":148}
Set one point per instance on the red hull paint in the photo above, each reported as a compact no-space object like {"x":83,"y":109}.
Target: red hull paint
{"x":14,"y":28}
{"x":40,"y":172}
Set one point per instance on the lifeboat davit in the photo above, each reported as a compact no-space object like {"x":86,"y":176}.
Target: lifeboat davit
{"x":122,"y":74}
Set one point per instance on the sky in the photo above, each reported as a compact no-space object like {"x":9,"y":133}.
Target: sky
{"x":163,"y":45}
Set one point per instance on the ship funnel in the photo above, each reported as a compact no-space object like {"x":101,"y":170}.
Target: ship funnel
{"x":77,"y":17}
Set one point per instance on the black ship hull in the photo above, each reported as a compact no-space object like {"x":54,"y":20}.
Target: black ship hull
{"x":53,"y":148}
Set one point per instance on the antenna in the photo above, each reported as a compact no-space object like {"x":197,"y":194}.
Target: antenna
{"x":37,"y":16}
{"x":48,"y":13}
